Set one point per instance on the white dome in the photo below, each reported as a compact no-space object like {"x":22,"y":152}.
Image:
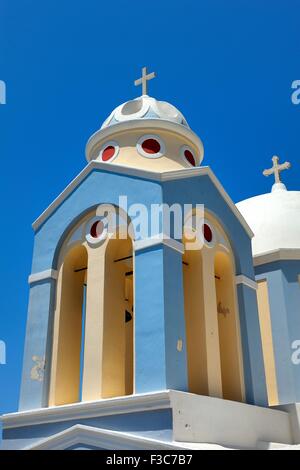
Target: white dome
{"x":274,"y":218}
{"x":145,"y":107}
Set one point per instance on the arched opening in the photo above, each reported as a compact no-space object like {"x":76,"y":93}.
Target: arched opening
{"x":118,"y":319}
{"x":228,"y":327}
{"x":68,"y":343}
{"x":214,"y":359}
{"x":194,"y":321}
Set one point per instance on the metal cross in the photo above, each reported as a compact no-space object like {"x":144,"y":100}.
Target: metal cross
{"x":144,"y":79}
{"x":277,"y":169}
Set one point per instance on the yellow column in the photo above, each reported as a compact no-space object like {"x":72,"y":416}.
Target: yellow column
{"x":93,"y":344}
{"x":214,"y":376}
{"x":267,"y":341}
{"x":52,"y":389}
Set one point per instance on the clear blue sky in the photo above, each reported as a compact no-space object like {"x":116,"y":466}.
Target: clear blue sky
{"x":227,"y":65}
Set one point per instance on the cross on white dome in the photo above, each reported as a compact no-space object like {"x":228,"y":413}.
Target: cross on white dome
{"x":144,"y":80}
{"x":276,"y":170}
{"x":273,"y":217}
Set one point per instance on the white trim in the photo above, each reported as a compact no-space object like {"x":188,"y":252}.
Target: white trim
{"x":241,"y":279}
{"x":157,"y":240}
{"x":43,"y":275}
{"x":150,"y":156}
{"x":151,"y":175}
{"x":141,"y":124}
{"x":283,"y":254}
{"x":102,"y":438}
{"x":105,"y":407}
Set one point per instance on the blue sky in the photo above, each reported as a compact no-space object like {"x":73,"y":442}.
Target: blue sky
{"x":227,"y":65}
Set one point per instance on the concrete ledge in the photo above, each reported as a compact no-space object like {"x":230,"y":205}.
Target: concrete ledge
{"x":294,"y":412}
{"x":105,"y":407}
{"x":197,"y":419}
{"x":42,"y":276}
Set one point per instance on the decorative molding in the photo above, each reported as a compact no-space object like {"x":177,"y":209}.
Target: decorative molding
{"x":241,"y":279}
{"x":42,"y":276}
{"x":157,"y":240}
{"x":83,"y":410}
{"x":150,"y":175}
{"x":283,"y":254}
{"x":101,"y":438}
{"x":150,"y":125}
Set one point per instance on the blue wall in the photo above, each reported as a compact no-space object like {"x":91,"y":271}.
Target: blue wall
{"x":284,"y":298}
{"x":159,"y":307}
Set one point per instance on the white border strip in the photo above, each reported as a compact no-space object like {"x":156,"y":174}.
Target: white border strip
{"x":241,"y":279}
{"x":42,"y":276}
{"x":105,"y":407}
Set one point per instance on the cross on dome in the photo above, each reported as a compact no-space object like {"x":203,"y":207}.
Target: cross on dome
{"x":144,"y":80}
{"x":276,"y":170}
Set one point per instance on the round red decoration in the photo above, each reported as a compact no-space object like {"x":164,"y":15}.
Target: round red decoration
{"x":190,"y":157}
{"x":207,"y":232}
{"x":96,"y":229}
{"x":108,"y":153}
{"x":151,"y":146}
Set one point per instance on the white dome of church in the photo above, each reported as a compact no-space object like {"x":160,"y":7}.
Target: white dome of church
{"x":274,"y":217}
{"x":145,"y":107}
{"x":147,"y":134}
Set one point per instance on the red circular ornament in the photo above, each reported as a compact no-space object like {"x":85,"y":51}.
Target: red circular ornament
{"x":151,"y":146}
{"x":96,"y":229}
{"x":207,"y":232}
{"x":108,"y":153}
{"x":189,"y":157}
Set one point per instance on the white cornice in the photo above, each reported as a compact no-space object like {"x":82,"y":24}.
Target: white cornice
{"x":110,"y":406}
{"x":241,"y":279}
{"x":283,"y":254}
{"x":42,"y":276}
{"x":143,"y":174}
